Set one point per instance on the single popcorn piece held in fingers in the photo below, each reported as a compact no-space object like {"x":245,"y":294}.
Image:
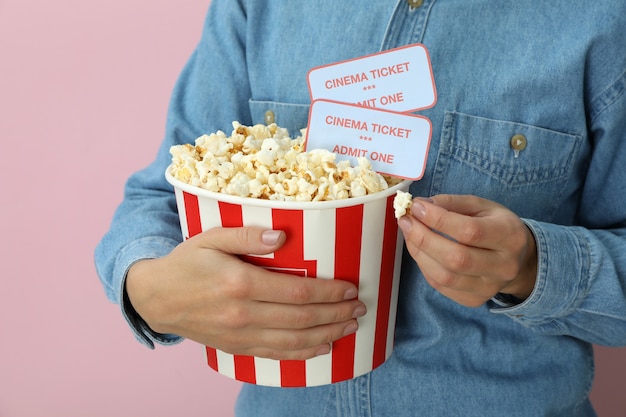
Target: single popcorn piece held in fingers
{"x":401,"y":203}
{"x":264,"y":162}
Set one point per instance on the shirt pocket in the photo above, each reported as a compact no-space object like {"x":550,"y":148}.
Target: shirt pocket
{"x":291,"y":116}
{"x":529,"y":175}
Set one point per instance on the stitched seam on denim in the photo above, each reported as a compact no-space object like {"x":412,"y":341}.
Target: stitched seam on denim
{"x":609,"y":96}
{"x":506,"y":174}
{"x":589,"y":385}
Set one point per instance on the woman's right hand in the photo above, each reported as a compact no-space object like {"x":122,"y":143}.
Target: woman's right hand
{"x":202,"y":291}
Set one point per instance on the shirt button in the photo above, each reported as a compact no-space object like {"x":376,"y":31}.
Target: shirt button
{"x":269,"y":117}
{"x":415,"y":3}
{"x":518,"y":142}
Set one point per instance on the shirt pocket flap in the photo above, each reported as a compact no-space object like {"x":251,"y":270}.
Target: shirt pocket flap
{"x":504,"y":161}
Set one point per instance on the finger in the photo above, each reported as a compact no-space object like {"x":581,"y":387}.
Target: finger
{"x":241,"y":240}
{"x":459,"y":287}
{"x":470,"y":226}
{"x":238,"y":343}
{"x":263,"y":285}
{"x":451,"y":256}
{"x":282,"y":316}
{"x":290,"y":355}
{"x":469,"y":205}
{"x":274,"y":287}
{"x":279,"y":340}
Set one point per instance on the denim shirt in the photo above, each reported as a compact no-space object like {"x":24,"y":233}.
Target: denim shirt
{"x":551,"y":71}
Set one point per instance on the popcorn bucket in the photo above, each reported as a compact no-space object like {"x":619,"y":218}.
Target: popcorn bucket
{"x":355,"y":239}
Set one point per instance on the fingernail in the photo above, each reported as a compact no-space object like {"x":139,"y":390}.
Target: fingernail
{"x":350,"y":294}
{"x":350,"y":328}
{"x":324,"y":350}
{"x":405,"y":224}
{"x":270,"y":237}
{"x":359,"y":312}
{"x":418,"y":209}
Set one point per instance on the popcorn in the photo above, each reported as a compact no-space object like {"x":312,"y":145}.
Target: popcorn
{"x":401,"y":203}
{"x":264,"y":162}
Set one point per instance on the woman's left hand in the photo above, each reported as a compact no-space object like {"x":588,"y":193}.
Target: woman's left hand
{"x":469,"y":249}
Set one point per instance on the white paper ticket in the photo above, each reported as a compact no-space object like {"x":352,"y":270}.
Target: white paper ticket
{"x":399,"y":79}
{"x":395,"y":143}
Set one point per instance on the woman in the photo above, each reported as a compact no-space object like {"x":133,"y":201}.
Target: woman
{"x":525,"y":179}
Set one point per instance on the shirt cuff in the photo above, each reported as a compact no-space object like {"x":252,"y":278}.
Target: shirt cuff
{"x":562,"y":277}
{"x":145,"y":248}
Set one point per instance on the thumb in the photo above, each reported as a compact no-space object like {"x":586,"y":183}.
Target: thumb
{"x":247,"y":240}
{"x":468,"y":205}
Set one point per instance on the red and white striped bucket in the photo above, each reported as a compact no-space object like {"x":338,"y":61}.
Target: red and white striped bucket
{"x":355,"y":239}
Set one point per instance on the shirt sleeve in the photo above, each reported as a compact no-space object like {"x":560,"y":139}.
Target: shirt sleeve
{"x":581,"y":282}
{"x":145,"y":224}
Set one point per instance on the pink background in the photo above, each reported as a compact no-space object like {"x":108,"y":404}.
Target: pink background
{"x":84,"y":87}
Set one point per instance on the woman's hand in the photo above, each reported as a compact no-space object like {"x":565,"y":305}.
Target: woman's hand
{"x":202,"y":291}
{"x":470,"y":249}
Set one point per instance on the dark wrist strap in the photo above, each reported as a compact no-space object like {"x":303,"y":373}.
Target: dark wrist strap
{"x":508,"y":299}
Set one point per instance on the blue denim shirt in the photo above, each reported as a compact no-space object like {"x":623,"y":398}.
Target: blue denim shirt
{"x":551,"y":71}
